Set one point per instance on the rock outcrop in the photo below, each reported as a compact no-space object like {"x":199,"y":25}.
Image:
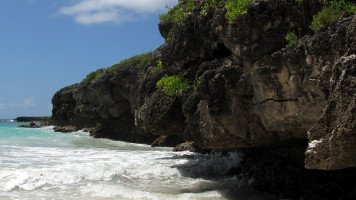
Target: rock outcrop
{"x":333,"y":138}
{"x":65,"y":129}
{"x":107,"y":105}
{"x":32,"y":125}
{"x":249,"y":89}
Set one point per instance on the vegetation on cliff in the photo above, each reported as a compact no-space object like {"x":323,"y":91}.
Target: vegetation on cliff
{"x":236,"y":8}
{"x":331,"y":10}
{"x":292,"y":39}
{"x":93,"y":76}
{"x":139,"y":61}
{"x":180,"y":11}
{"x":70,"y":88}
{"x":173,"y":85}
{"x":184,"y":7}
{"x":159,"y":66}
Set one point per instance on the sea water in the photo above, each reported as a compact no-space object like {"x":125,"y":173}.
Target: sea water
{"x":41,"y":164}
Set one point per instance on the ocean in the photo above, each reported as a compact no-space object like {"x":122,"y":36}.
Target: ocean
{"x":39,"y":164}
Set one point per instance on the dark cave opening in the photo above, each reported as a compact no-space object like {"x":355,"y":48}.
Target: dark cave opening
{"x":221,"y":51}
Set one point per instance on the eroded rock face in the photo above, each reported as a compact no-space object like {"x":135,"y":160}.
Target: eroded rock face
{"x":250,"y":89}
{"x":106,"y":105}
{"x":333,"y":139}
{"x":252,"y":92}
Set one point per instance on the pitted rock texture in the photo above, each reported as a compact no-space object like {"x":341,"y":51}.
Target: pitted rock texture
{"x":248,"y":88}
{"x":333,"y":138}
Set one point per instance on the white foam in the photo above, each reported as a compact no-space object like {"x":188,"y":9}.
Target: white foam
{"x":80,"y":167}
{"x":131,"y":175}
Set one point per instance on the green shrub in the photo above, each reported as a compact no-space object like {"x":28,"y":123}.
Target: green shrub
{"x":70,"y":88}
{"x":331,"y":12}
{"x":180,"y":11}
{"x":203,"y":11}
{"x":138,"y":61}
{"x":93,"y":76}
{"x":211,"y":4}
{"x":159,"y":65}
{"x":169,"y":36}
{"x":350,"y":8}
{"x":326,"y":16}
{"x":236,"y":8}
{"x":173,"y":85}
{"x":292,"y":39}
{"x":197,"y":82}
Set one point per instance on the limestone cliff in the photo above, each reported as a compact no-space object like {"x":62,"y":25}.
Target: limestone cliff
{"x":249,"y":88}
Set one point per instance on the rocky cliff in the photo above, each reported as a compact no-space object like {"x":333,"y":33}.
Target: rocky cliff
{"x":249,"y":88}
{"x":288,"y":106}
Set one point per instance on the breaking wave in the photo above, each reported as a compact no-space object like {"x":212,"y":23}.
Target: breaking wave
{"x":48,"y":165}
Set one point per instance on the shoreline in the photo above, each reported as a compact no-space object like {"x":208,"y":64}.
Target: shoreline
{"x":273,"y":171}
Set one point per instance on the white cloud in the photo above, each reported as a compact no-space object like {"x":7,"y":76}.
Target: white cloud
{"x":99,"y":17}
{"x":28,"y":102}
{"x":100,"y":11}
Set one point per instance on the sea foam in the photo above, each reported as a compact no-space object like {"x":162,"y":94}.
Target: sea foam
{"x":48,"y":165}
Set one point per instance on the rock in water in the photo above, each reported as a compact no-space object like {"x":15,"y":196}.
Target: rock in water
{"x":65,"y":129}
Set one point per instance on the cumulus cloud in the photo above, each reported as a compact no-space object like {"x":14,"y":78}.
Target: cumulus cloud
{"x":27,"y":102}
{"x":118,"y":11}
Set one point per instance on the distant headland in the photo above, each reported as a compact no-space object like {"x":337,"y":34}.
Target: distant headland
{"x":42,"y":119}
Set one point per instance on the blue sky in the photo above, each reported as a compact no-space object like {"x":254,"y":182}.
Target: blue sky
{"x":49,"y":44}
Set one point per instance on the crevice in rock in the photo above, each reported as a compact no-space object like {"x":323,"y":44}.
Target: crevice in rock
{"x":276,"y":100}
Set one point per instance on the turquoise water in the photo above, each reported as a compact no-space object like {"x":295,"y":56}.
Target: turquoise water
{"x":40,"y":164}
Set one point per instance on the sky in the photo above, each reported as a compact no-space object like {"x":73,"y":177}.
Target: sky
{"x":46,"y":45}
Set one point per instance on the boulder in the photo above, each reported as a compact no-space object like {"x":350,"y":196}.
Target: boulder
{"x":65,"y":129}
